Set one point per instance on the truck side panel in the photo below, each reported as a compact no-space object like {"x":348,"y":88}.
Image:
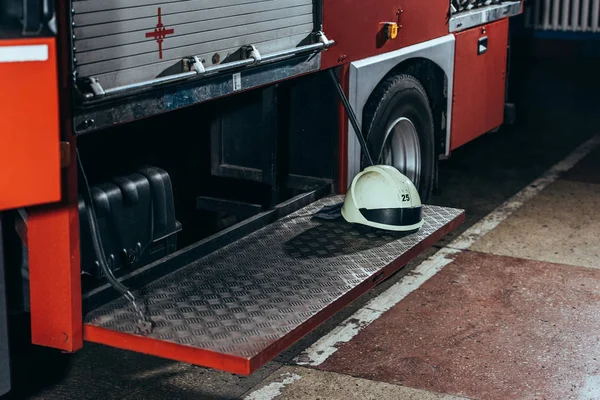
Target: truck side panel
{"x":28,"y":73}
{"x":122,"y":42}
{"x":355,"y":26}
{"x":55,"y":277}
{"x":479,"y":81}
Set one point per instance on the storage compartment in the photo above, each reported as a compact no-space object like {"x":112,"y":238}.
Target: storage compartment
{"x":28,"y":70}
{"x":136,"y":219}
{"x":227,"y":161}
{"x":479,"y":81}
{"x":122,"y":42}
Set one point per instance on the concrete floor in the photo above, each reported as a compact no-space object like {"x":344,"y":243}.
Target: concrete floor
{"x":515,"y":317}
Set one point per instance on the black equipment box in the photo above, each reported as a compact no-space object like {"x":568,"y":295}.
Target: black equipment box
{"x":136,"y":220}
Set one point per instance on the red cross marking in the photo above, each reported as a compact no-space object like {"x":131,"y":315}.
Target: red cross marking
{"x":159,"y":33}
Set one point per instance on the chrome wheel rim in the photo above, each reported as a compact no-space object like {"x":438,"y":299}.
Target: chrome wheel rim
{"x":402,"y":149}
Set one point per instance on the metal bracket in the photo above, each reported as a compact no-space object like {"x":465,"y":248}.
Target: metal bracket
{"x":198,"y":66}
{"x":255,"y":54}
{"x":323,"y":39}
{"x":65,"y":154}
{"x":97,"y":88}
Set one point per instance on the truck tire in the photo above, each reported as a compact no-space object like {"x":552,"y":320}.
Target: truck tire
{"x":400,"y":132}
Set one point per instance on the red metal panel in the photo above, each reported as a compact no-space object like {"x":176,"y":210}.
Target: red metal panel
{"x":55,"y":277}
{"x":53,"y":234}
{"x":479,"y":82}
{"x":29,"y":123}
{"x":355,"y":26}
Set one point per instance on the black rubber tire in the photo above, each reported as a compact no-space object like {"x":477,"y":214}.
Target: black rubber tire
{"x":396,"y":97}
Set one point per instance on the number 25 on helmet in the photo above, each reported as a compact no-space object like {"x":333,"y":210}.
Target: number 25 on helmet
{"x":381,"y":197}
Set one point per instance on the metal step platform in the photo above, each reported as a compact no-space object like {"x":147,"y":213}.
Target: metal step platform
{"x":240,"y":306}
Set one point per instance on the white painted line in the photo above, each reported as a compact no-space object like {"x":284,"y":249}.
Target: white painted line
{"x":23,"y":53}
{"x":272,"y":390}
{"x":328,"y":344}
{"x":590,"y":389}
{"x":493,"y":219}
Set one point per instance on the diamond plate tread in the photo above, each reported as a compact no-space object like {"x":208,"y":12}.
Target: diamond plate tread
{"x":246,"y":296}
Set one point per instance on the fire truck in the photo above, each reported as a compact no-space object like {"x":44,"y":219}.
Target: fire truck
{"x":171,"y":168}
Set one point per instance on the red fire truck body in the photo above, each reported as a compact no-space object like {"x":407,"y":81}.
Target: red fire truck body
{"x":78,"y":75}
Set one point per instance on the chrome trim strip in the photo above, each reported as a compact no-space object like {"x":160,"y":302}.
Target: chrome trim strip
{"x":480,"y":16}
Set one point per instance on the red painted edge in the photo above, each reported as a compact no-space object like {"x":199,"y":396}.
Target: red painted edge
{"x":55,"y":277}
{"x":53,"y":232}
{"x":245,"y":366}
{"x":170,"y":350}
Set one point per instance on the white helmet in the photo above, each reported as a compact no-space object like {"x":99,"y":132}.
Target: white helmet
{"x":383,"y":198}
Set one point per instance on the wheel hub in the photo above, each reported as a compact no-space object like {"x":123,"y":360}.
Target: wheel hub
{"x":402,"y":149}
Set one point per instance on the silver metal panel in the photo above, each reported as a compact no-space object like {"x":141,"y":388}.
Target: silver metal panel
{"x":168,"y":99}
{"x":249,"y":295}
{"x":575,"y":14}
{"x":563,"y":15}
{"x":97,"y":62}
{"x":585,"y":11}
{"x":195,"y":22}
{"x":87,"y":6}
{"x":595,"y":26}
{"x":113,"y":18}
{"x":217,"y":39}
{"x":484,"y":15}
{"x":120,"y":42}
{"x":194,"y":36}
{"x":366,"y":74}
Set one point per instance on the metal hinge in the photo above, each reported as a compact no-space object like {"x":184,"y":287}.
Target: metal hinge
{"x":65,"y":154}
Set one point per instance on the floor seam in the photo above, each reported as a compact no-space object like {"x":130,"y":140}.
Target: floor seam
{"x":485,"y":253}
{"x":380,"y":382}
{"x":256,"y":386}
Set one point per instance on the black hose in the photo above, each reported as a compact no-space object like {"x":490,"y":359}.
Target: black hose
{"x":351,"y":116}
